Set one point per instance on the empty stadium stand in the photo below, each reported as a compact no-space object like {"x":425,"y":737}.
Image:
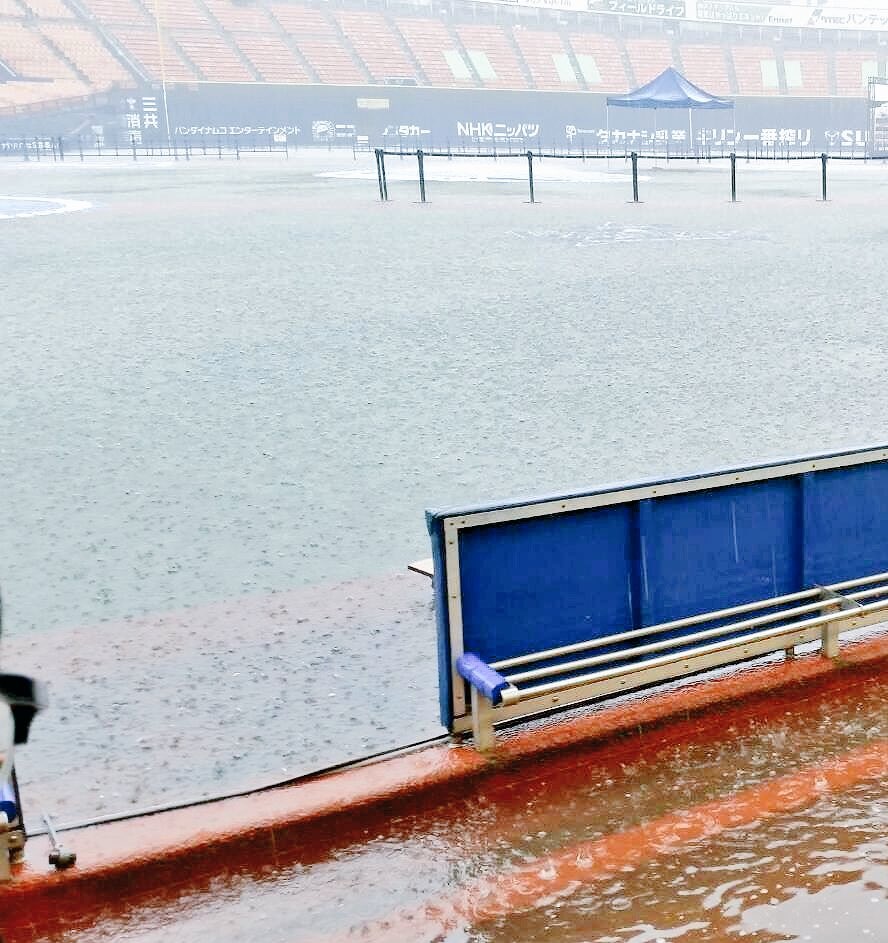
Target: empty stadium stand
{"x":756,"y":69}
{"x":601,"y":62}
{"x":320,"y":42}
{"x":25,"y":49}
{"x":806,"y":73}
{"x":93,"y":60}
{"x":436,"y":51}
{"x":853,"y":71}
{"x":214,"y":58}
{"x":113,"y":12}
{"x":547,"y":59}
{"x":53,"y":50}
{"x":649,"y":57}
{"x":50,"y":9}
{"x":492,"y":55}
{"x":706,"y":66}
{"x":161,"y":60}
{"x":377,"y":45}
{"x":271,"y":57}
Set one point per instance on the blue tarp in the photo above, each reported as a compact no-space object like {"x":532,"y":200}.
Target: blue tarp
{"x":670,"y":89}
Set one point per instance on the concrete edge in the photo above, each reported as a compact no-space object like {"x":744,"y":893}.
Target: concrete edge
{"x":157,"y":855}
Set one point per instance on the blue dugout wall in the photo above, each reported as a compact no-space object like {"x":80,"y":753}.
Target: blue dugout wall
{"x":523,"y":576}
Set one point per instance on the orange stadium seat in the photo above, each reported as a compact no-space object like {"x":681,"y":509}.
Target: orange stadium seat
{"x":141,"y":43}
{"x":806,"y":73}
{"x":117,"y":11}
{"x":376,"y":44}
{"x":50,"y":9}
{"x":272,"y":58}
{"x":259,"y":39}
{"x":21,"y":94}
{"x":240,"y":19}
{"x":318,"y":41}
{"x":649,"y":57}
{"x":436,"y":51}
{"x":180,"y":14}
{"x":213,"y":56}
{"x":24,"y":49}
{"x":492,"y":56}
{"x":705,"y":66}
{"x":601,"y":62}
{"x":290,"y":41}
{"x":82,"y":47}
{"x":853,"y":70}
{"x":546,"y":57}
{"x":756,"y":70}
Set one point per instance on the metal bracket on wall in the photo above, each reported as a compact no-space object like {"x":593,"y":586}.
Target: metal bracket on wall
{"x":829,"y":637}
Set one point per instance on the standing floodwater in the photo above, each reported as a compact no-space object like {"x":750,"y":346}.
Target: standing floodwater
{"x":228,"y":381}
{"x":752,"y":823}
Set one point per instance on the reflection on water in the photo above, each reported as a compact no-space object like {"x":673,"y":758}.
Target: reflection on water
{"x":819,"y":875}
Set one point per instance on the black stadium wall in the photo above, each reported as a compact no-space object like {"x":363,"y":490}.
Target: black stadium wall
{"x":436,"y":117}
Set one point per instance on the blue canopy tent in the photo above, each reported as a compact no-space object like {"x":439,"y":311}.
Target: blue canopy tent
{"x":670,"y":89}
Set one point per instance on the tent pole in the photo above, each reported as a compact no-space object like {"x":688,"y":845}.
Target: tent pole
{"x":655,"y":137}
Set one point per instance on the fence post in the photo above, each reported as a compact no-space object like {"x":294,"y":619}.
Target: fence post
{"x":133,"y":145}
{"x":385,"y":189}
{"x":80,"y":147}
{"x":823,"y":159}
{"x":419,"y":160}
{"x":379,"y":173}
{"x":634,"y":156}
{"x":530,"y":174}
{"x":61,"y":149}
{"x":733,"y":177}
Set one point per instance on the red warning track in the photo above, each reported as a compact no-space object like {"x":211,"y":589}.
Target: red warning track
{"x":146,"y":858}
{"x":560,"y":874}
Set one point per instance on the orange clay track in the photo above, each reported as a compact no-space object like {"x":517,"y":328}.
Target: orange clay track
{"x":146,"y":860}
{"x":560,"y":874}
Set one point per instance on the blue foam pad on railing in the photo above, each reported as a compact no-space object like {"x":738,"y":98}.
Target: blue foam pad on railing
{"x":481,"y":676}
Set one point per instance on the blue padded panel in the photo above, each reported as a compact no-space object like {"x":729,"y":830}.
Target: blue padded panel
{"x":846,"y":523}
{"x":442,"y":619}
{"x":708,"y":550}
{"x":542,"y":582}
{"x":547,"y":581}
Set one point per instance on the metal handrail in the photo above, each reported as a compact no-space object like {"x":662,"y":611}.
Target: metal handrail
{"x":674,"y":642}
{"x":698,"y":619}
{"x":553,"y":687}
